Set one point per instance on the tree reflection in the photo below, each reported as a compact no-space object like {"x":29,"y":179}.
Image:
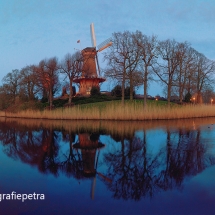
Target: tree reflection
{"x":136,"y":173}
{"x":41,"y":148}
{"x":48,"y":158}
{"x":35,"y":147}
{"x":132,"y":170}
{"x":72,"y":164}
{"x":185,"y":156}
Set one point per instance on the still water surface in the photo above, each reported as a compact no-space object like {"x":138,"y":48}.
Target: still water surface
{"x":164,"y":167}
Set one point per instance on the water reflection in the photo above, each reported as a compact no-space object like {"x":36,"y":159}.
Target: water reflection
{"x":130,"y":169}
{"x":137,"y":173}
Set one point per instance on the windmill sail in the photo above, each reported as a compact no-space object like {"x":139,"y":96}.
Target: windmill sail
{"x":101,"y":47}
{"x":97,"y":61}
{"x":93,"y":36}
{"x":105,"y":44}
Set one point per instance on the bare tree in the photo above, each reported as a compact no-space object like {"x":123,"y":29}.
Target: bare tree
{"x":208,"y":95}
{"x":148,"y":54}
{"x":5,"y":97}
{"x":185,"y":68}
{"x":167,"y":64}
{"x":11,"y":84}
{"x":203,"y":73}
{"x":47,"y":73}
{"x":122,"y":59}
{"x":28,"y":82}
{"x":71,"y":66}
{"x":190,"y":82}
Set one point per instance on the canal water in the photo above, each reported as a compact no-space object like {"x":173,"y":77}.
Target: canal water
{"x":108,"y":168}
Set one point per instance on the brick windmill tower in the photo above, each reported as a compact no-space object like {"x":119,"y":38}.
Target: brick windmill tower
{"x":90,"y":76}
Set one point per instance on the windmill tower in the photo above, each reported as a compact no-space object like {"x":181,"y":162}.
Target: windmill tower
{"x":91,"y":71}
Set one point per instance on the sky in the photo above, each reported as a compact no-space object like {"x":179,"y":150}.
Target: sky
{"x":32,"y":30}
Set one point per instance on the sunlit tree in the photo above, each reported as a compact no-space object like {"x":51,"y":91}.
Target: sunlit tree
{"x":71,"y":66}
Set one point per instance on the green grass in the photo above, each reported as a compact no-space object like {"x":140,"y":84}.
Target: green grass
{"x":138,"y":102}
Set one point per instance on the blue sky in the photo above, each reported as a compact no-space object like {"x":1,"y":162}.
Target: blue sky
{"x":31,"y":30}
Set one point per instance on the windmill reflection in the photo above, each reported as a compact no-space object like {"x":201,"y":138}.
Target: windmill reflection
{"x":131,"y":170}
{"x":88,"y":148}
{"x":88,"y":145}
{"x":83,"y":157}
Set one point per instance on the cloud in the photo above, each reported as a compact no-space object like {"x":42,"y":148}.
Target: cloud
{"x":206,"y":11}
{"x":191,"y":11}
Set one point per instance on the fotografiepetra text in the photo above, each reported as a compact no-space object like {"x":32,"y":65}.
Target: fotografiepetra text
{"x":22,"y":197}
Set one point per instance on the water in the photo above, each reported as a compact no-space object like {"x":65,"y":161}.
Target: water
{"x":79,"y":167}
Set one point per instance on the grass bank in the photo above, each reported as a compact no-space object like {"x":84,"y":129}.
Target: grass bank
{"x":113,"y":110}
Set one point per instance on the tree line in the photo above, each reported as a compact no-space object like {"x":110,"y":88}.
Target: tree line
{"x":134,"y":59}
{"x":40,"y":81}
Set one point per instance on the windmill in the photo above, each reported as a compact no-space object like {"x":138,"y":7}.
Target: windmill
{"x":90,"y":76}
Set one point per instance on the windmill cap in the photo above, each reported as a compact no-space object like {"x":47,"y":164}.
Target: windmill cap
{"x":89,"y":49}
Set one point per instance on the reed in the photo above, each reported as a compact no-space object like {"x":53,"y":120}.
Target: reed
{"x":114,"y":128}
{"x":115,"y":111}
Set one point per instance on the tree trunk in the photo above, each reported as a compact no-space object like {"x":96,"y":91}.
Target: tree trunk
{"x":145,"y":87}
{"x":123,"y":88}
{"x":168,"y":94}
{"x":131,"y":89}
{"x":199,"y":99}
{"x":180,"y":95}
{"x":50,"y":98}
{"x":70,"y":91}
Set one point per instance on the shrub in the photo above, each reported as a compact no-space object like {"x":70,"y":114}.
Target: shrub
{"x":73,"y":90}
{"x":127,"y":92}
{"x":117,"y":91}
{"x":95,"y":91}
{"x":187,"y":97}
{"x":44,"y":100}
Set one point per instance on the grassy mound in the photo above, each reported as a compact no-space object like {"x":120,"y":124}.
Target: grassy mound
{"x":114,"y":110}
